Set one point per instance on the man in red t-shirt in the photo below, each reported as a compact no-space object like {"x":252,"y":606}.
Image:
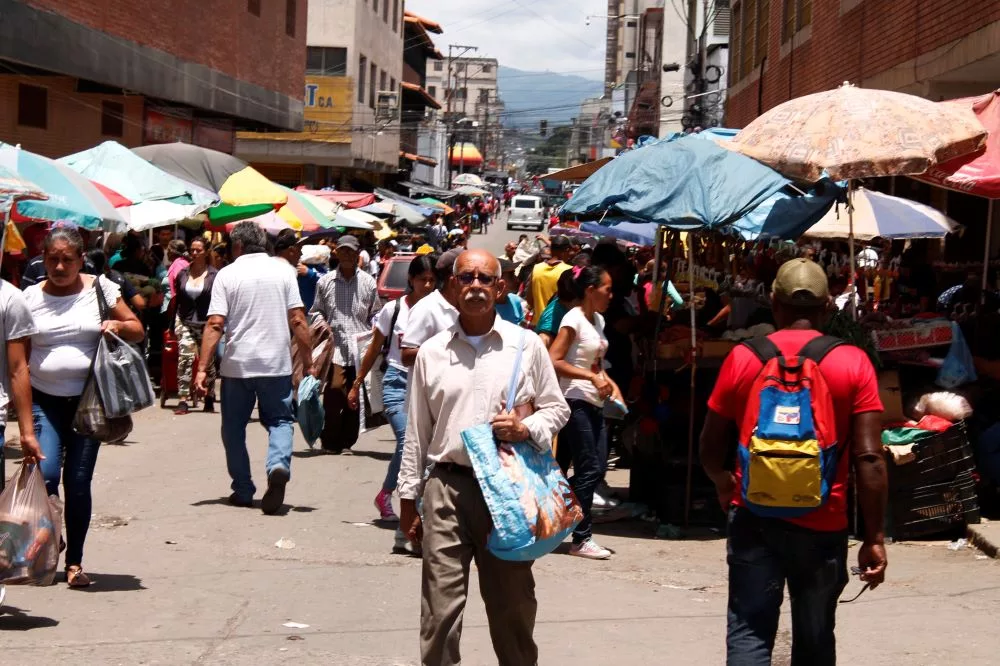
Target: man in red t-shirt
{"x":809,"y":552}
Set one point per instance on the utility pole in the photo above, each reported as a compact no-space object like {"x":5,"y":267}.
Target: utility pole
{"x":450,"y":120}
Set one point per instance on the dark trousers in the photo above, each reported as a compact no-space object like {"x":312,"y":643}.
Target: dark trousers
{"x":764,"y":554}
{"x":340,"y":430}
{"x":585,"y":438}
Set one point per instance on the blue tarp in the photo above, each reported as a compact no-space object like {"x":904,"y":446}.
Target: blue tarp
{"x":687,"y":183}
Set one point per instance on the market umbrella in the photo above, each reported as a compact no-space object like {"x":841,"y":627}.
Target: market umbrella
{"x":440,"y":205}
{"x":305,"y":212}
{"x":71,"y":197}
{"x":580,"y":171}
{"x":156,"y":197}
{"x":348,"y":199}
{"x":878,"y":215}
{"x":976,"y":173}
{"x":270,"y":222}
{"x":348,"y":218}
{"x":471,"y":191}
{"x":467,"y":178}
{"x":236,"y":182}
{"x":852,"y":132}
{"x":12,"y":189}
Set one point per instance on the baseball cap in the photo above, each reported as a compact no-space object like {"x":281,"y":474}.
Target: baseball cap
{"x":561,"y":243}
{"x":447,"y":260}
{"x":350,"y":242}
{"x":801,"y":282}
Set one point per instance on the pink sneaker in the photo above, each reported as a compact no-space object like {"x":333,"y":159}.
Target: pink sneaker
{"x":383,"y":502}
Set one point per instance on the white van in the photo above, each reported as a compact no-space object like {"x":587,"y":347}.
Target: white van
{"x":526,"y":211}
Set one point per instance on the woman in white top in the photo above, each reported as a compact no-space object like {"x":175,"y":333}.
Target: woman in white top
{"x":386,"y":336}
{"x":578,"y":356}
{"x":69,"y":326}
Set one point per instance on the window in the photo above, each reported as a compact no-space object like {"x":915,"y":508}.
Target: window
{"x":373,"y":72}
{"x":362,"y":69}
{"x":734,"y":46}
{"x":253,"y":6}
{"x":462,"y":93}
{"x":486,"y":69}
{"x":751,"y":25}
{"x":381,"y":81}
{"x":484,"y":95}
{"x":290,"y":17}
{"x":385,"y":10}
{"x":795,"y":15}
{"x":392,"y":84}
{"x":326,"y":60}
{"x":747,"y":49}
{"x":763,"y":30}
{"x":32,"y":106}
{"x":438,"y":66}
{"x":630,"y":54}
{"x":395,"y":15}
{"x":432,"y":91}
{"x":112,"y":119}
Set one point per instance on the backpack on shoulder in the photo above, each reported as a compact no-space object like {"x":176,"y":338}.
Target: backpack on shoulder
{"x":788,"y":451}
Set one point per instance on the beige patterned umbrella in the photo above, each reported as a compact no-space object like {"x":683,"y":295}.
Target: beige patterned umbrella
{"x":854,"y":132}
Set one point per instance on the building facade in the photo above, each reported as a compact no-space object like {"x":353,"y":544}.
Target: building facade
{"x":423,"y":143}
{"x":783,"y":49}
{"x":471,"y":103}
{"x":353,"y":74}
{"x":74,"y":73}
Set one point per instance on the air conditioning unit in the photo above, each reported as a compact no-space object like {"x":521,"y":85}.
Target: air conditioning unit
{"x":387,"y":105}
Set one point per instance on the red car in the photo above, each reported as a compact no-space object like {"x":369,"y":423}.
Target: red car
{"x":392,"y":282}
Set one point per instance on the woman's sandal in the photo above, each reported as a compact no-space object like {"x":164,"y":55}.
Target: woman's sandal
{"x":75,"y":577}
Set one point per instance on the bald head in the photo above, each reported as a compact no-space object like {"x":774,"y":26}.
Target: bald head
{"x":477,"y":260}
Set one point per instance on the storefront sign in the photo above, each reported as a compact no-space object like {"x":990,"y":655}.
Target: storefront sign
{"x":161,"y":127}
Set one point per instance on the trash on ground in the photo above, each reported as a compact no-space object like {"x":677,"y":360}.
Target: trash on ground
{"x":295,"y":625}
{"x":294,"y":637}
{"x":958,"y":544}
{"x":170,"y":543}
{"x":284,"y":544}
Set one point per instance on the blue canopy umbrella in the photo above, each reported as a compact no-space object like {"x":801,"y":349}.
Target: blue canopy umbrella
{"x":684,"y":184}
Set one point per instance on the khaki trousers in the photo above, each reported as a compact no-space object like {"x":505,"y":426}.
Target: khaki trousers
{"x":456,"y":524}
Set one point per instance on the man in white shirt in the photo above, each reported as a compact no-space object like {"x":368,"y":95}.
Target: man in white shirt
{"x":433,"y":314}
{"x":255,"y":300}
{"x":458,"y":381}
{"x":347,"y":299}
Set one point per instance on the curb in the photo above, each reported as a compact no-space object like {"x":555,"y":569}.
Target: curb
{"x":977,"y":537}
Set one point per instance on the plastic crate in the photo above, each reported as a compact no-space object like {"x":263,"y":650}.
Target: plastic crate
{"x":941,"y":457}
{"x":935,"y":508}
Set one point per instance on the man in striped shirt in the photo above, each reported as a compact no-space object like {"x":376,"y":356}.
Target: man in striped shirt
{"x":347,"y":299}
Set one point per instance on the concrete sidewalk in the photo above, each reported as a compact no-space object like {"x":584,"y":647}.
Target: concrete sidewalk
{"x":183,"y":578}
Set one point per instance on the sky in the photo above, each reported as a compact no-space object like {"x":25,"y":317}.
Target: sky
{"x":533,"y":35}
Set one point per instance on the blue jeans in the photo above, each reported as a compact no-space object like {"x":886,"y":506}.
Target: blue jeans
{"x":394,"y":402}
{"x":586,"y":435}
{"x":71,"y":456}
{"x":764,"y":553}
{"x":273,"y":396}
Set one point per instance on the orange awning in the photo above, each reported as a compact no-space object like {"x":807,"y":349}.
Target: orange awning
{"x":423,"y":159}
{"x":467,"y":154}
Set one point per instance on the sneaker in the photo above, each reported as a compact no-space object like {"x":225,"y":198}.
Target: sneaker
{"x":590,"y":550}
{"x":236,"y":500}
{"x":602,"y":502}
{"x":274,"y":496}
{"x":383,"y":502}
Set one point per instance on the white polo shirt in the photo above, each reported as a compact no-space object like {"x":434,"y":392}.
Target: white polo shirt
{"x":254,"y":294}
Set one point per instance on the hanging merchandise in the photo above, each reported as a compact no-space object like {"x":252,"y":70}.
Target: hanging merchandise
{"x":959,"y":367}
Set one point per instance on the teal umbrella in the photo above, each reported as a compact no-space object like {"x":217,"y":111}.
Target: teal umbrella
{"x":72,"y":197}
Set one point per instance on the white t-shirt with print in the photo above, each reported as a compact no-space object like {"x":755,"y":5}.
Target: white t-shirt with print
{"x":15,"y":322}
{"x":382,"y":322}
{"x":587,"y":351}
{"x":254,"y":294}
{"x":68,"y":330}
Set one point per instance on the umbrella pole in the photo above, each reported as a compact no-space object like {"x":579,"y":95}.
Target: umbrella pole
{"x":694,"y":369}
{"x":850,"y":245}
{"x":986,"y":252}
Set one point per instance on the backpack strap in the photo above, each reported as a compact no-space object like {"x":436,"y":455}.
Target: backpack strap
{"x":817,"y":348}
{"x":763,"y":349}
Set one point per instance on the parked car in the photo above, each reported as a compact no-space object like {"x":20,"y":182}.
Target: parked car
{"x":527,"y":211}
{"x":392,"y":281}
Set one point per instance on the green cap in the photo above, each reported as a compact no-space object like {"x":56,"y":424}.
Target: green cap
{"x":801,"y":282}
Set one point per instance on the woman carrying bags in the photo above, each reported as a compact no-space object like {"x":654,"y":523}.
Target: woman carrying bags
{"x":191,"y":301}
{"x":67,"y":315}
{"x":390,"y":323}
{"x":578,"y":356}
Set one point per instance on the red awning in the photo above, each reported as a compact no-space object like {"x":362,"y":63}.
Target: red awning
{"x":348,"y":199}
{"x":978,"y":173}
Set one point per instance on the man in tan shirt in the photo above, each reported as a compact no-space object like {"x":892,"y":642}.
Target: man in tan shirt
{"x":459,"y":380}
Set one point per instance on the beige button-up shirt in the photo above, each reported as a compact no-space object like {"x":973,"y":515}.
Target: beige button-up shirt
{"x":454,"y":385}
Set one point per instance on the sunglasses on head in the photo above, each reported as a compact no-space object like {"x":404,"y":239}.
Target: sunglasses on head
{"x":468,"y":278}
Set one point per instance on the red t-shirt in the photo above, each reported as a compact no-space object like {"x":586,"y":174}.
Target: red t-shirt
{"x":853,"y":387}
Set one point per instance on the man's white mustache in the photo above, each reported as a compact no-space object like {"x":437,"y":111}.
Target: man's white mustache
{"x":475,"y":296}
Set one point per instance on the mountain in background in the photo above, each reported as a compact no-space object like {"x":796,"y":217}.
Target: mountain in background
{"x":530,"y":97}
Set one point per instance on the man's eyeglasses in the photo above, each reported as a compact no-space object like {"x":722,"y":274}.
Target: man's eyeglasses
{"x":468,"y":278}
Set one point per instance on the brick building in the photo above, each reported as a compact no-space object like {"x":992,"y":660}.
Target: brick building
{"x":783,"y":49}
{"x":74,"y":73}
